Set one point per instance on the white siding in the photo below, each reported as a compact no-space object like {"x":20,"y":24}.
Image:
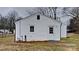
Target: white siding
{"x":63,"y":30}
{"x":41,"y":29}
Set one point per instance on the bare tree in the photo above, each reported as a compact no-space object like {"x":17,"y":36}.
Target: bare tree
{"x":74,"y":14}
{"x":48,"y":11}
{"x":12,"y":16}
{"x":0,"y":21}
{"x":3,"y":24}
{"x":53,"y":10}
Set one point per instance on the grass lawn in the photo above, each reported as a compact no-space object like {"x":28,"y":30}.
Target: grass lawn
{"x":71,"y":43}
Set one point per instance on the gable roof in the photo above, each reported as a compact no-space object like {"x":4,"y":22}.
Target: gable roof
{"x":35,"y":14}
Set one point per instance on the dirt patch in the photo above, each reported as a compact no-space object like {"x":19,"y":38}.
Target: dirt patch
{"x":70,"y":47}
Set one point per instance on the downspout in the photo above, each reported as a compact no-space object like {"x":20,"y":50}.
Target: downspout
{"x":19,"y":29}
{"x":21,"y":37}
{"x":15,"y":34}
{"x":60,"y":30}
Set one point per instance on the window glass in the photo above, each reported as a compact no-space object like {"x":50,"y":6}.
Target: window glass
{"x":38,"y":17}
{"x":31,"y":28}
{"x":51,"y":30}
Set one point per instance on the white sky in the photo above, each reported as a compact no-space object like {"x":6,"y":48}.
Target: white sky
{"x":21,"y":11}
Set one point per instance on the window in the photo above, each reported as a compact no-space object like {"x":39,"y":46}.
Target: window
{"x":38,"y":17}
{"x":51,"y":30}
{"x":31,"y":28}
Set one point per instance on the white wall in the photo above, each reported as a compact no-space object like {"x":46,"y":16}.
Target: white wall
{"x":63,"y":30}
{"x":41,"y":29}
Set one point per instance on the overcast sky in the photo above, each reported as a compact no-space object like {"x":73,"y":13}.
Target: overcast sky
{"x":22,"y":12}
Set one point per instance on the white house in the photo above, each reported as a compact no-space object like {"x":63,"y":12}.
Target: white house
{"x":38,"y":27}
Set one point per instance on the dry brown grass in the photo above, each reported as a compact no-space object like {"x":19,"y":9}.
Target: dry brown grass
{"x":7,"y":44}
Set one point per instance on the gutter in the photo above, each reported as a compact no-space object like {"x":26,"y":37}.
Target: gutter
{"x":60,"y":30}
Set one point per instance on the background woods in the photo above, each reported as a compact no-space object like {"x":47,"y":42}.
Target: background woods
{"x":74,"y":20}
{"x":8,"y":22}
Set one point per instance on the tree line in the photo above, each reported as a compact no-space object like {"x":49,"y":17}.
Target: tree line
{"x":8,"y":22}
{"x":73,"y":12}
